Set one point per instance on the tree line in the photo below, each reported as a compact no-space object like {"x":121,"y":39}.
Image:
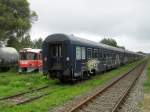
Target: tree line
{"x":111,"y":42}
{"x":25,"y":42}
{"x":16,"y":19}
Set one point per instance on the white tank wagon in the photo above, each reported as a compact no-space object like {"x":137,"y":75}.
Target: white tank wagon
{"x":8,"y":57}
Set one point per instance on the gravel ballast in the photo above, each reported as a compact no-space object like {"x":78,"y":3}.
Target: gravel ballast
{"x":130,"y":105}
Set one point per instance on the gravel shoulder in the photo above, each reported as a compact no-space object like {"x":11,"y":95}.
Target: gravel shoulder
{"x":132,"y":103}
{"x":145,"y":104}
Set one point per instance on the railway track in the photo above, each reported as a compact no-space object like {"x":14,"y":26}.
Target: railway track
{"x":111,"y":97}
{"x":22,"y":98}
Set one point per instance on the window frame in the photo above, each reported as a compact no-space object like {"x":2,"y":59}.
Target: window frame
{"x":83,"y":53}
{"x":95,"y":53}
{"x":89,"y":55}
{"x":78,"y":53}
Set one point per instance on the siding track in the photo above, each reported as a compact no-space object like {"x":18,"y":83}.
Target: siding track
{"x":22,"y":99}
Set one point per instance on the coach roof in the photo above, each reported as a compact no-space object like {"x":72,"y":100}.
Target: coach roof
{"x":79,"y":41}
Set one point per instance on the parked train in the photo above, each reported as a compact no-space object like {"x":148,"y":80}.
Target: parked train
{"x":8,"y":57}
{"x":69,"y":58}
{"x":30,"y":60}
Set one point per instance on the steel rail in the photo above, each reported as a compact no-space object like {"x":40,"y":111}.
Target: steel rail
{"x":37,"y":97}
{"x":124,"y":95}
{"x":32,"y":99}
{"x":23,"y":93}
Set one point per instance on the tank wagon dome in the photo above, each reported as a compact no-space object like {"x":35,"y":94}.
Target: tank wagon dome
{"x":79,"y":41}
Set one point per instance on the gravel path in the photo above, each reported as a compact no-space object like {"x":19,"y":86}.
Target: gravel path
{"x":136,"y":95}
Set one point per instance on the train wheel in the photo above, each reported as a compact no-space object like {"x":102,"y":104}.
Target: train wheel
{"x":61,"y":80}
{"x":94,"y":72}
{"x":86,"y":75}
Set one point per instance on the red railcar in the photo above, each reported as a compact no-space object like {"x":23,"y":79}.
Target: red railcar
{"x":30,"y":60}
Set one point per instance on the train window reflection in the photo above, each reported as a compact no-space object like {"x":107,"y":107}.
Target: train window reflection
{"x":28,"y":56}
{"x":78,"y":53}
{"x":56,"y":50}
{"x":89,"y":53}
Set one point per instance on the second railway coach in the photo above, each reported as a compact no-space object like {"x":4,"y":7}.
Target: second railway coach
{"x":68,"y":58}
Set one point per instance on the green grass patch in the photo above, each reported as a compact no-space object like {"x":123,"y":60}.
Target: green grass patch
{"x":144,"y":104}
{"x":147,"y":82}
{"x":12,"y":83}
{"x":59,"y":95}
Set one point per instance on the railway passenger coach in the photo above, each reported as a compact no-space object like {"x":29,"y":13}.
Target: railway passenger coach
{"x":29,"y":60}
{"x":68,"y":58}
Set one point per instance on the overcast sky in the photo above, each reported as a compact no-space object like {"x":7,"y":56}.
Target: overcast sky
{"x":127,"y":21}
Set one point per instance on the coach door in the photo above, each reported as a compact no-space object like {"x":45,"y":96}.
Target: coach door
{"x":56,"y":54}
{"x":79,"y":60}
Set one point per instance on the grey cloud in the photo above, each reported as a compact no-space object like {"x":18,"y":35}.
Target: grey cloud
{"x":113,"y":18}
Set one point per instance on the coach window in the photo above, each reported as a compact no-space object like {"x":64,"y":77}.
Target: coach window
{"x":114,"y":56}
{"x":95,"y":53}
{"x":83,"y":52}
{"x":106,"y":56}
{"x":89,"y":53}
{"x":110,"y":56}
{"x":100,"y":54}
{"x":56,"y":50}
{"x":78,"y":53}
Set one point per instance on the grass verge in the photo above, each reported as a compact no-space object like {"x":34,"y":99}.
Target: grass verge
{"x":147,"y":82}
{"x":12,"y":83}
{"x":145,"y":104}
